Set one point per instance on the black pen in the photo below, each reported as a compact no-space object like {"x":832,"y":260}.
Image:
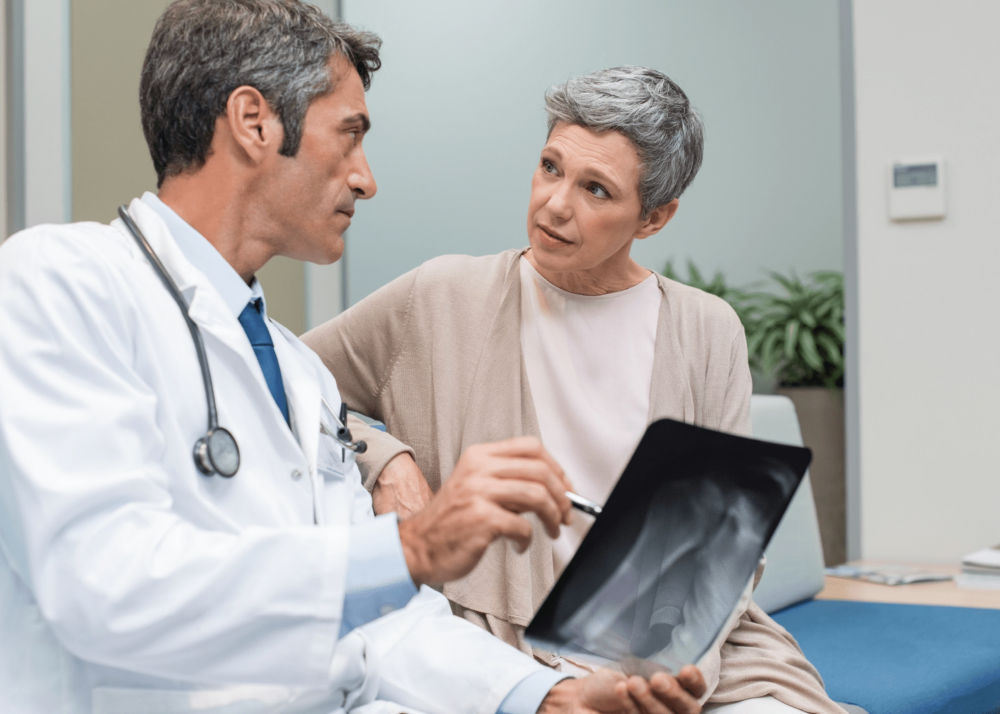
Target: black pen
{"x":582,"y":504}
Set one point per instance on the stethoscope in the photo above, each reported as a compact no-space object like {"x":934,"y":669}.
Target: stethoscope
{"x":216,"y":452}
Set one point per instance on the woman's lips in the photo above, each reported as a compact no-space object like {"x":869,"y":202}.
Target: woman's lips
{"x":552,"y":234}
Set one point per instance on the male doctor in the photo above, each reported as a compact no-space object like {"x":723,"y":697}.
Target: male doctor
{"x":133,"y":581}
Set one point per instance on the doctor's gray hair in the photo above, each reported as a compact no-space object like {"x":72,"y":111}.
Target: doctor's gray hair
{"x":201,"y":50}
{"x":649,"y":109}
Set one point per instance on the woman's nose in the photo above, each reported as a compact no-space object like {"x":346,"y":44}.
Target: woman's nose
{"x":559,"y":204}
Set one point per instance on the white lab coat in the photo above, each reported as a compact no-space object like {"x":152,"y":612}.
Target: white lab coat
{"x":130,"y":582}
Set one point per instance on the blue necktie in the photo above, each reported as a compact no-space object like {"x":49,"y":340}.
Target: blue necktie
{"x":263,"y":348}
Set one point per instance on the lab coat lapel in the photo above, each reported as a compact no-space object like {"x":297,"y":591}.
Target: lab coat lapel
{"x":205,"y":305}
{"x":304,"y":395}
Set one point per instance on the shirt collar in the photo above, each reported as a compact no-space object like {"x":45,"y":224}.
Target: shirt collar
{"x":203,"y":256}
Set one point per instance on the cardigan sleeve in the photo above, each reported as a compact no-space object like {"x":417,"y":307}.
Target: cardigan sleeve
{"x":360,"y":346}
{"x":736,"y":403}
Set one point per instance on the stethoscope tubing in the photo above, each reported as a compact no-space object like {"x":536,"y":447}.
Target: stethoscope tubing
{"x":175,"y":293}
{"x":213,"y":455}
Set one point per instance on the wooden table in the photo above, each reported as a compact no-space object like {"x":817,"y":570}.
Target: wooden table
{"x":932,"y":593}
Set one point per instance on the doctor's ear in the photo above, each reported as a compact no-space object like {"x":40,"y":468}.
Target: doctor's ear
{"x":254,"y":125}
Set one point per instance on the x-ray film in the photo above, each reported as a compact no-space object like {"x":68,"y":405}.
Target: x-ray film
{"x":663,"y":566}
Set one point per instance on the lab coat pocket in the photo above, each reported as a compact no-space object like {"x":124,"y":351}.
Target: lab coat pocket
{"x":334,"y":461}
{"x":337,"y":476}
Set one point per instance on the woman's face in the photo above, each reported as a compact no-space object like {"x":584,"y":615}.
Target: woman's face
{"x":584,"y":210}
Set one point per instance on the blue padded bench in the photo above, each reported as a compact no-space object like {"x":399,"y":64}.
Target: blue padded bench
{"x":905,"y":659}
{"x":885,"y":658}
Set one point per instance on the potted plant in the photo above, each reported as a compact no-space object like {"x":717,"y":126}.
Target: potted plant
{"x":795,"y":336}
{"x":739,"y":299}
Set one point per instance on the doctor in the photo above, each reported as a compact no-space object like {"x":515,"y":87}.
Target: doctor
{"x":132,"y":577}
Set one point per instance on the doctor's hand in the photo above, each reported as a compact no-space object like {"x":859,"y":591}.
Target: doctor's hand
{"x":605,"y":691}
{"x":492,"y":484}
{"x":401,"y":487}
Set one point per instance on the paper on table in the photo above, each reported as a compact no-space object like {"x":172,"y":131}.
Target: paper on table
{"x":984,"y":558}
{"x":977,"y":581}
{"x":887,"y":574}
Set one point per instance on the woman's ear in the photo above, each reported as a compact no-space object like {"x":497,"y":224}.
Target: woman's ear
{"x":253,"y":124}
{"x":657,"y":218}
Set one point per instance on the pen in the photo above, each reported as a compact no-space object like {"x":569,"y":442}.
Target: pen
{"x":582,"y":504}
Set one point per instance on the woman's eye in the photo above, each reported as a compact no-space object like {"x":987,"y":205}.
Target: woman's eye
{"x":548,"y":167}
{"x":598,"y":190}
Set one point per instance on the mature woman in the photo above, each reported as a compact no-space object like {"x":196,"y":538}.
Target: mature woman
{"x":573,"y":341}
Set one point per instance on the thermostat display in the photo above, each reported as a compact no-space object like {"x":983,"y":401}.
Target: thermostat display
{"x":914,"y":175}
{"x":916,"y":189}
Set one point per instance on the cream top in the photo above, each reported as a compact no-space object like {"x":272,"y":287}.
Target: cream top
{"x":589,"y":362}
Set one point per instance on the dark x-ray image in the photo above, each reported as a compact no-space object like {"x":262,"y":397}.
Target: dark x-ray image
{"x":665,"y":563}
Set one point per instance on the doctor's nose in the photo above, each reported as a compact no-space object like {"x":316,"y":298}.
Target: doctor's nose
{"x":361,"y":180}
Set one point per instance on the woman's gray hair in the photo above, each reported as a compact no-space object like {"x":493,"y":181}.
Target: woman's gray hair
{"x":651,"y":111}
{"x":201,"y":50}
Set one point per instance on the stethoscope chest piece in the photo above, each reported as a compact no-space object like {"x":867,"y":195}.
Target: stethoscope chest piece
{"x":217,"y":453}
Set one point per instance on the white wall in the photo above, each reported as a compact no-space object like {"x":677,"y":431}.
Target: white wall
{"x":458,"y":121}
{"x":46,"y":112}
{"x":928,"y":305}
{"x":3,"y":120}
{"x":323,"y":284}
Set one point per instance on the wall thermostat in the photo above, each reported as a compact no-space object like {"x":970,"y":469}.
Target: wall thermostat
{"x":916,"y":188}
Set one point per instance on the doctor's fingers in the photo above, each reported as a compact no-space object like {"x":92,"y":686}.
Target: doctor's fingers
{"x":445,"y":540}
{"x":531,"y":447}
{"x":483,"y":468}
{"x":691,"y":678}
{"x":521,"y":496}
{"x":511,"y":525}
{"x":527,"y":471}
{"x":662,"y":694}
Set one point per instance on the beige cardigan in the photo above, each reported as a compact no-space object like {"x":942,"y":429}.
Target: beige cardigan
{"x":436,"y":355}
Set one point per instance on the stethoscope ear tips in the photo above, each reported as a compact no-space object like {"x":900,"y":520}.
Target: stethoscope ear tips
{"x":217,"y":453}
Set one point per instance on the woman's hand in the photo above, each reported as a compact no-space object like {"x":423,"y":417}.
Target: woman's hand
{"x":401,"y":487}
{"x":606,"y":691}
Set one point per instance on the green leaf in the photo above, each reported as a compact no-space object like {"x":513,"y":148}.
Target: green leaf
{"x":695,"y":275}
{"x":769,"y":351}
{"x":831,"y":348}
{"x":794,"y":326}
{"x":829,"y":277}
{"x":791,"y":338}
{"x":787,"y":283}
{"x":754,"y":339}
{"x":809,"y":352}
